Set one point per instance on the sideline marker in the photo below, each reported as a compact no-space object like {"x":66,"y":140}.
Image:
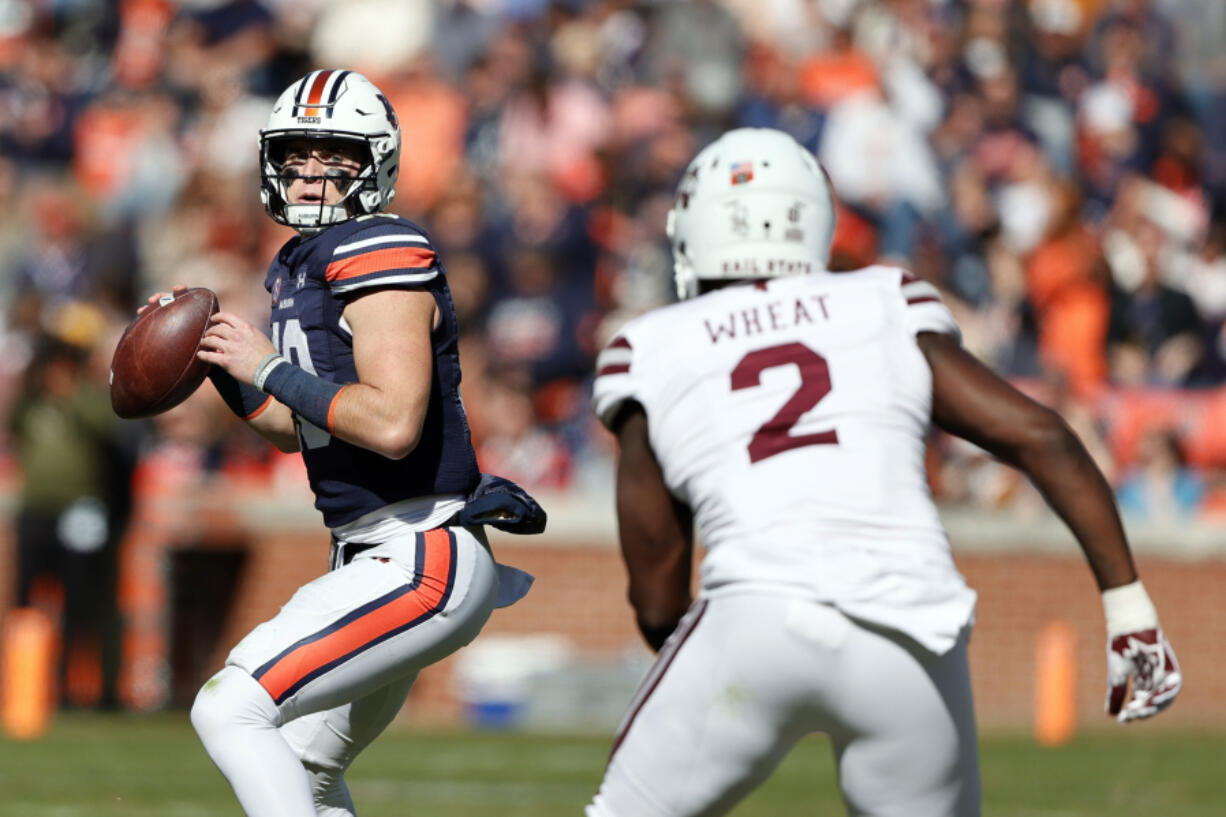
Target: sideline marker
{"x":27,"y":673}
{"x":1055,"y":684}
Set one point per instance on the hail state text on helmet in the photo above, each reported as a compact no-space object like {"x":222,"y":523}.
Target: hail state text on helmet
{"x":754,"y":203}
{"x":758,"y":267}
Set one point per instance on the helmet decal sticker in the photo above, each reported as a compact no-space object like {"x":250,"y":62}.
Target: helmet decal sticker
{"x":391,"y":114}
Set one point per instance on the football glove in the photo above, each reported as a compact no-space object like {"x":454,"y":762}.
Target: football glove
{"x":1137,"y":651}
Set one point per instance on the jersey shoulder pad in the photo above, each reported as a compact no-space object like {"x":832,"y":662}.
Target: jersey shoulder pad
{"x":381,"y":251}
{"x":921,"y":304}
{"x":616,"y":381}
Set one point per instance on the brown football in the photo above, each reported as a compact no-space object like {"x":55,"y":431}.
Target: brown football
{"x":155,"y":367}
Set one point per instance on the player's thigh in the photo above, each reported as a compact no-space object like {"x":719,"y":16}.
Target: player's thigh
{"x":904,"y":736}
{"x":712,"y":719}
{"x":381,"y":618}
{"x":328,"y":741}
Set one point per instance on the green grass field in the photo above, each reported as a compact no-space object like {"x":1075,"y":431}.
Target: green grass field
{"x":104,"y":766}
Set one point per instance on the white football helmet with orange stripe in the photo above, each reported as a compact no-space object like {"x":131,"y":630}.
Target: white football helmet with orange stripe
{"x":331,"y":104}
{"x":752,"y":204}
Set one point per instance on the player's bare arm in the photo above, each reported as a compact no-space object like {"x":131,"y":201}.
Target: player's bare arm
{"x":968,"y":399}
{"x":656,"y":534}
{"x":385,"y":409}
{"x":972,"y":402}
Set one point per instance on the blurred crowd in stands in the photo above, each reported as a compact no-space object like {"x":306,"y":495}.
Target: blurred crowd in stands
{"x":1056,"y":167}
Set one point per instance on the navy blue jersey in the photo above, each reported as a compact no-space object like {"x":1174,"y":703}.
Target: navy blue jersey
{"x":311,"y":280}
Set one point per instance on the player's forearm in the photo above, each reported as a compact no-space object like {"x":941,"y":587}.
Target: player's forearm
{"x":655,"y":633}
{"x":658,"y":610}
{"x":381,"y":420}
{"x":262,"y":413}
{"x":656,"y":532}
{"x":972,"y":402}
{"x":659,"y":577}
{"x":657,"y":548}
{"x":276,"y":424}
{"x":1072,"y":484}
{"x":376,"y":420}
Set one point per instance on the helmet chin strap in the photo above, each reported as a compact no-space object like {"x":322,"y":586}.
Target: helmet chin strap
{"x":313,"y":217}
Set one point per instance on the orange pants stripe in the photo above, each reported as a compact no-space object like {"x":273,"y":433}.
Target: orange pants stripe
{"x":375,"y":622}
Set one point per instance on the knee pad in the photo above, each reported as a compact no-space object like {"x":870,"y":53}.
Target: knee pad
{"x":232,"y":699}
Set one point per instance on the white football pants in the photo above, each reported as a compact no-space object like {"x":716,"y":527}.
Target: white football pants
{"x":746,"y":675}
{"x":306,"y":691}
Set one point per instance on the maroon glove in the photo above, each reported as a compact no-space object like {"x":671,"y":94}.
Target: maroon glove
{"x":1146,"y":657}
{"x":1138,"y":650}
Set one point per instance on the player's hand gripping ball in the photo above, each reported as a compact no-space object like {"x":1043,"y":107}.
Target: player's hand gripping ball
{"x":155,"y":367}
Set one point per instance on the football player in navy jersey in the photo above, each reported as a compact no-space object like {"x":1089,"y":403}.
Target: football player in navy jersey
{"x":361,"y":374}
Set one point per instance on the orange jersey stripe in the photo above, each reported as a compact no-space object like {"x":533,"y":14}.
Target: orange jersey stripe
{"x":398,"y":612}
{"x":378,"y":261}
{"x":260,"y":410}
{"x":317,"y":92}
{"x":332,"y":409}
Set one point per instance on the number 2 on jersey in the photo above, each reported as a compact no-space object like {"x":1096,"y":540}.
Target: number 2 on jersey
{"x":772,"y":437}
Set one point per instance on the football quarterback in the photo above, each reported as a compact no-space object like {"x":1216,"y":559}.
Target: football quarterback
{"x":359,"y":371}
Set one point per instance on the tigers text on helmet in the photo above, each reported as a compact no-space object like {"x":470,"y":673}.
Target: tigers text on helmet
{"x":752,"y":204}
{"x":335,"y":105}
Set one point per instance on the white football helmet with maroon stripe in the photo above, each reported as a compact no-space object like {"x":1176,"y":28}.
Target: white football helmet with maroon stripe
{"x":752,"y":204}
{"x":331,"y":104}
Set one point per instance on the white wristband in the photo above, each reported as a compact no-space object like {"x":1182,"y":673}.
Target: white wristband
{"x":1128,"y":609}
{"x":265,"y":369}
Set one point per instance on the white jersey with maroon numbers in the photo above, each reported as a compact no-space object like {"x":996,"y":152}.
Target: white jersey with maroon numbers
{"x":792,"y":416}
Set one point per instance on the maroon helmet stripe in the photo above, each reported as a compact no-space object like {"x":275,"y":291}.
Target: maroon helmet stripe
{"x":619,"y":342}
{"x":613,"y":368}
{"x":923,"y":299}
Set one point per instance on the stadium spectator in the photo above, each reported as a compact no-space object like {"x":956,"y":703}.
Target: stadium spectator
{"x":1155,"y":334}
{"x":512,"y":441}
{"x":76,"y":459}
{"x":1067,"y":285}
{"x":1160,"y":486}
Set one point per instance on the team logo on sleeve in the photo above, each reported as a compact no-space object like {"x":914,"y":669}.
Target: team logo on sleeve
{"x":276,"y":290}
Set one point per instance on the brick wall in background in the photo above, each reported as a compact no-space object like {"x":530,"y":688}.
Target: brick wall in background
{"x":580,"y":595}
{"x":581,"y":592}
